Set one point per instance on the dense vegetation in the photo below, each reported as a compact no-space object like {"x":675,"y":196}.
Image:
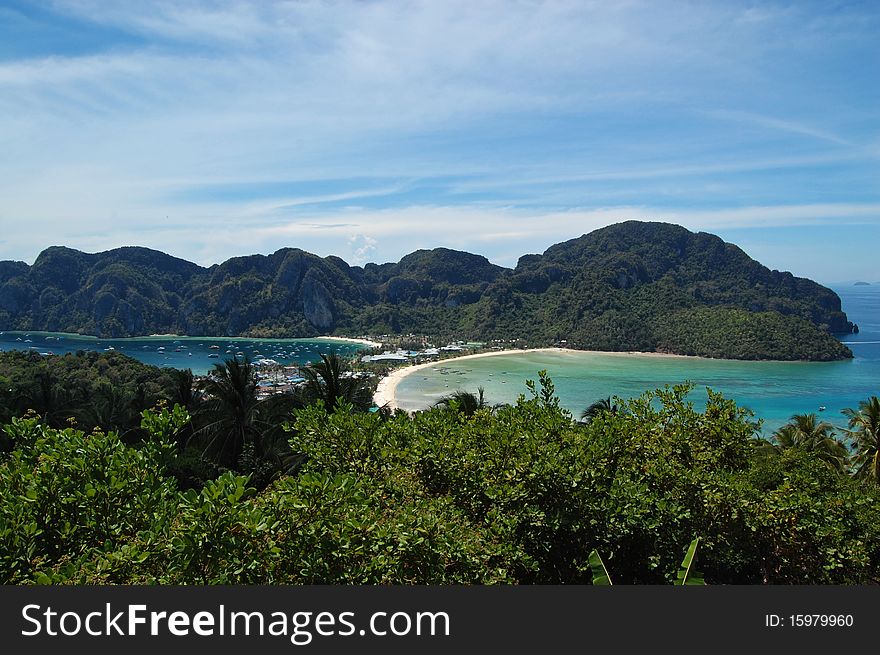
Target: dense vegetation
{"x":630,"y":286}
{"x":92,"y":390}
{"x":230,"y":428}
{"x":738,"y":334}
{"x":455,"y":494}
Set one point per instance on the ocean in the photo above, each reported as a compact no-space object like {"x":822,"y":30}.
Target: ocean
{"x":772,"y":390}
{"x":197,"y":353}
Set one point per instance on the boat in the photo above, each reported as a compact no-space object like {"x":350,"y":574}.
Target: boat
{"x":213,"y":355}
{"x":822,"y":408}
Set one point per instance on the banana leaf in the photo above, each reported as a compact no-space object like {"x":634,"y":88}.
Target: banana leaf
{"x":688,"y":575}
{"x":600,"y":573}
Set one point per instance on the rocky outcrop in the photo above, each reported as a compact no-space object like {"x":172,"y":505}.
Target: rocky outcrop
{"x":317,"y":303}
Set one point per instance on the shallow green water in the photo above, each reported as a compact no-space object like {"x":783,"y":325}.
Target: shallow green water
{"x":773,"y":390}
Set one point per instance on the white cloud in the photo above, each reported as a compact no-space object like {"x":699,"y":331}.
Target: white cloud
{"x":362,"y":248}
{"x":502,"y":234}
{"x":503,"y":99}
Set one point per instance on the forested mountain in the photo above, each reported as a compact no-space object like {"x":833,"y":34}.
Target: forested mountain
{"x":629,"y":286}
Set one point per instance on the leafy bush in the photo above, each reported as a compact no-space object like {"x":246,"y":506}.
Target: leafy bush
{"x":516,"y":494}
{"x":70,"y":496}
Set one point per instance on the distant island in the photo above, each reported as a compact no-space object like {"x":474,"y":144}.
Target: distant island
{"x":862,"y":284}
{"x":633,"y":286}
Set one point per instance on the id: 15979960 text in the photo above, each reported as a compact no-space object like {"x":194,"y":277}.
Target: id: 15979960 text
{"x":809,"y":621}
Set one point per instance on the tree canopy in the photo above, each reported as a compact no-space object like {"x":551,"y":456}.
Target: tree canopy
{"x":521,"y":494}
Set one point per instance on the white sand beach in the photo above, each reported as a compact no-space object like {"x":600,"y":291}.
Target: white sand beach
{"x":388,"y":385}
{"x":385,"y":391}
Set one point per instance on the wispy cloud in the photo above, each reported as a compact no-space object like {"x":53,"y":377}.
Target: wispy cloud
{"x":776,"y":124}
{"x":385,"y":235}
{"x":496,"y":126}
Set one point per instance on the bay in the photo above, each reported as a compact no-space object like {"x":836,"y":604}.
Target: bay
{"x":772,"y":390}
{"x":196,"y":353}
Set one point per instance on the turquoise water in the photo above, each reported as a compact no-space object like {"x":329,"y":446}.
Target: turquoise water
{"x":181,"y":352}
{"x":773,"y":390}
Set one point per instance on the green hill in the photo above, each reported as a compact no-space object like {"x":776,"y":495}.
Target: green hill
{"x":629,"y":286}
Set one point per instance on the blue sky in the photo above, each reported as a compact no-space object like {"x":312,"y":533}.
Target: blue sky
{"x":369,"y":129}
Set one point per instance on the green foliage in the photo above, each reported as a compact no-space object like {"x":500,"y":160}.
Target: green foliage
{"x":218,"y":534}
{"x":739,"y":334}
{"x":518,"y":494}
{"x":806,"y":432}
{"x":164,"y":426}
{"x":598,"y":407}
{"x":107,"y":391}
{"x":465,"y":402}
{"x":863,"y":428}
{"x":232,"y":421}
{"x":688,"y":574}
{"x":69,"y":497}
{"x":600,"y":573}
{"x":330,"y":381}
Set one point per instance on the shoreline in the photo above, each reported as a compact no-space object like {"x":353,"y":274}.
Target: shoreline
{"x":385,"y":393}
{"x":365,"y":342}
{"x":91,"y":337}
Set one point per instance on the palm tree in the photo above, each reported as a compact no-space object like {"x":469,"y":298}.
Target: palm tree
{"x":230,"y":416}
{"x":48,"y":399}
{"x":183,"y":391}
{"x":465,"y":402}
{"x":601,"y":406}
{"x":275,"y":413}
{"x":332,"y":381}
{"x":805,"y":432}
{"x":864,"y":428}
{"x":114,"y":408}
